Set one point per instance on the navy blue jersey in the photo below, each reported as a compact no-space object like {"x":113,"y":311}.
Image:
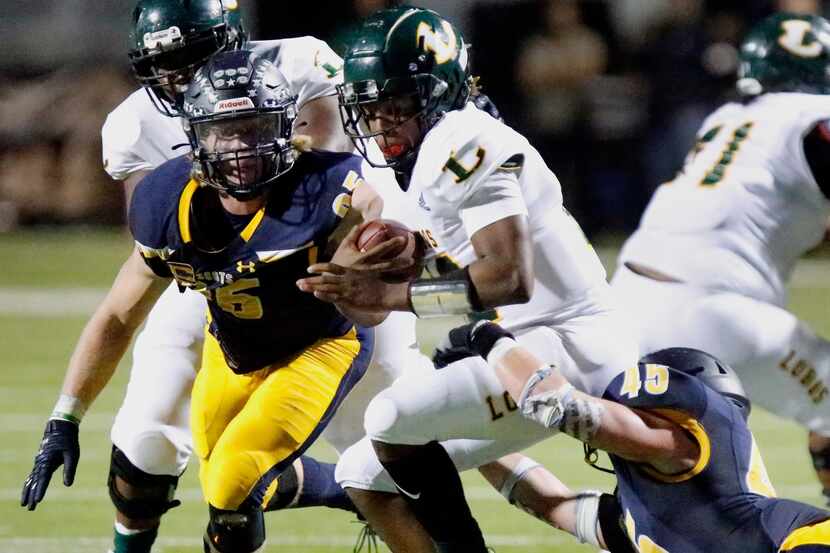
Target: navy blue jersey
{"x":248,"y":266}
{"x":725,"y":503}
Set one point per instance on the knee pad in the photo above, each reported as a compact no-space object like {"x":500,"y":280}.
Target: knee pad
{"x":358,"y":467}
{"x":380,"y":417}
{"x":148,"y":495}
{"x":239,"y":531}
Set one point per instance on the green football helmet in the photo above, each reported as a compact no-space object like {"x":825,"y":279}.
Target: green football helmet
{"x":786,"y":52}
{"x":409,"y":54}
{"x":171,"y":39}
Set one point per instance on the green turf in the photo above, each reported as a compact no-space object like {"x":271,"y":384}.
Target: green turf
{"x":79,"y":519}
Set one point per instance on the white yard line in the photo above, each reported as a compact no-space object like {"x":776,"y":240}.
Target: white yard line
{"x":50,"y":302}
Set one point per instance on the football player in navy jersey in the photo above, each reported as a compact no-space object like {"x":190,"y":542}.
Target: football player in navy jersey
{"x":690,"y":476}
{"x":239,"y":221}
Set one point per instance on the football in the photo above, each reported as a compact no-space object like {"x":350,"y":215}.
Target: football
{"x":378,"y":231}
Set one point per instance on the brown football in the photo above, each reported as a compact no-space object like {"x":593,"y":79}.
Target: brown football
{"x":380,"y":230}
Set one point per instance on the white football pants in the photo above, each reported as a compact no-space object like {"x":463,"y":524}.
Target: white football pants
{"x":783,"y":365}
{"x":465,"y":407}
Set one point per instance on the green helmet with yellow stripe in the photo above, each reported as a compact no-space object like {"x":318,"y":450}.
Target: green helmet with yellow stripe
{"x":403,"y":52}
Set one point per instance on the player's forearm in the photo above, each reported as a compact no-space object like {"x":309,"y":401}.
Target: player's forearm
{"x":633,"y":435}
{"x":500,"y":281}
{"x":623,"y":433}
{"x":100,"y":347}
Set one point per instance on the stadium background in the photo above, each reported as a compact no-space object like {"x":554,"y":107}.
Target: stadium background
{"x":610,"y":91}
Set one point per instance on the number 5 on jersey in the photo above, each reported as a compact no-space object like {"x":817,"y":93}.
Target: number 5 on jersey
{"x":656,"y":381}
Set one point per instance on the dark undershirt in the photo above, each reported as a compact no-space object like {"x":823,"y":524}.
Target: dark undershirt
{"x":817,"y":152}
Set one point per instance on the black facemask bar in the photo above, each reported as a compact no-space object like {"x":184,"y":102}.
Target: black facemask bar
{"x":240,"y":156}
{"x":426,"y":90}
{"x":165,"y":71}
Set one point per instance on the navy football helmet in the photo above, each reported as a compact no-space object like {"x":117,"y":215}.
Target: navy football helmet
{"x":712,"y":372}
{"x":239,"y":116}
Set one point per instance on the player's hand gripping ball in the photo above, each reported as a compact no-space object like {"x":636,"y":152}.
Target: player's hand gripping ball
{"x":378,"y":231}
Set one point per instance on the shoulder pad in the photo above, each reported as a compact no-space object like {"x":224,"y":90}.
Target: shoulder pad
{"x":465,"y":148}
{"x":119,"y":135}
{"x":311,"y":68}
{"x":341,"y":167}
{"x":155,"y":203}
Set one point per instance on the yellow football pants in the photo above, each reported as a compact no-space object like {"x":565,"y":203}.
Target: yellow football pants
{"x":248,"y":428}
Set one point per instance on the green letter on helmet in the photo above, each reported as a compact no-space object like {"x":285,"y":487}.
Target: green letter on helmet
{"x":398,"y":53}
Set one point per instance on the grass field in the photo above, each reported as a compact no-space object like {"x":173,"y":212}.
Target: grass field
{"x":51,"y":280}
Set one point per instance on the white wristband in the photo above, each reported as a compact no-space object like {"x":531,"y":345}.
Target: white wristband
{"x":69,"y":408}
{"x":587,"y":517}
{"x":500,"y":349}
{"x":516,"y":475}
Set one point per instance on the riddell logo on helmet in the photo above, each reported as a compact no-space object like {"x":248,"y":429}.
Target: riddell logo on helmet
{"x":234,"y":103}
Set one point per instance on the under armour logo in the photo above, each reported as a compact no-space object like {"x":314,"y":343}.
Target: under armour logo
{"x":242,"y":267}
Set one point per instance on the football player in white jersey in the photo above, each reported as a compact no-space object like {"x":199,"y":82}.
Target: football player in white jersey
{"x":709,"y":264}
{"x":496,"y":209}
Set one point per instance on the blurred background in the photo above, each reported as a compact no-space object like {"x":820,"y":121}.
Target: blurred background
{"x":610,"y":91}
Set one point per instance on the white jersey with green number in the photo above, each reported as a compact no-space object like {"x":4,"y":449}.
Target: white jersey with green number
{"x":745,"y":206}
{"x":137,"y":137}
{"x":472,"y":171}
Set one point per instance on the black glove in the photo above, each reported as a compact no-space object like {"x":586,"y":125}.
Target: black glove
{"x":483,"y":335}
{"x":58,"y":447}
{"x":476,"y":338}
{"x":453,"y":347}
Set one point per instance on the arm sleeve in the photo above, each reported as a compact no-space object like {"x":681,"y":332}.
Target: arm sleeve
{"x":494,"y":198}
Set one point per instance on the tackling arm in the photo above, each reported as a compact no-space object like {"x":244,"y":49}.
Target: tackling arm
{"x":366,"y":206}
{"x":633,"y":434}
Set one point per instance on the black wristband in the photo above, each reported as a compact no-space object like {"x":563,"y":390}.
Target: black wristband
{"x":484,"y":335}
